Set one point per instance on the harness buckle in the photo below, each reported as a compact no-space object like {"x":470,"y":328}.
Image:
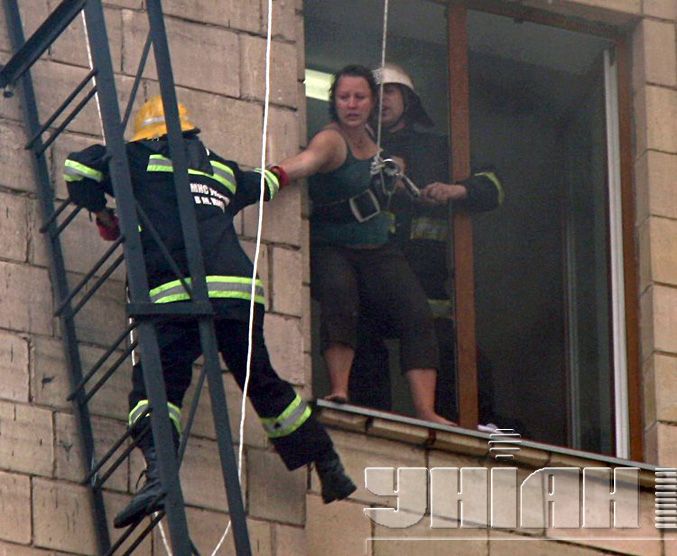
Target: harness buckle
{"x":364,"y":206}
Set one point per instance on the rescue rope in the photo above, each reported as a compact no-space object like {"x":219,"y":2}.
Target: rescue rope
{"x":259,"y":225}
{"x":384,"y":41}
{"x":91,"y":68}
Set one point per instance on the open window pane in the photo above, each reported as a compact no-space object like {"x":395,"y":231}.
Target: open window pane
{"x":542,"y":262}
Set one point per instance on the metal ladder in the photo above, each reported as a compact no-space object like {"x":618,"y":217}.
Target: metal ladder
{"x":142,"y":313}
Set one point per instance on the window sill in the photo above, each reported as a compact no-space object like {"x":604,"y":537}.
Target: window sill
{"x":462,"y":441}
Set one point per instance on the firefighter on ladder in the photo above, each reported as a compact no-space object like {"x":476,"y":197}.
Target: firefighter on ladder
{"x":220,"y":190}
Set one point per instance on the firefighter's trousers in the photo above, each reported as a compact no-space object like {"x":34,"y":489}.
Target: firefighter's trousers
{"x":289,"y":422}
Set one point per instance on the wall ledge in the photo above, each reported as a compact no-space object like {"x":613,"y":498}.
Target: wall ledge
{"x":392,"y":426}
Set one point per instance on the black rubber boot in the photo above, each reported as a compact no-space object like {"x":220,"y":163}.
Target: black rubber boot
{"x":150,"y":497}
{"x":336,"y":485}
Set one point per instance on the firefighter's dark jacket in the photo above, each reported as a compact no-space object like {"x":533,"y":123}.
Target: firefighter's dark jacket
{"x":220,"y":190}
{"x":426,"y":157}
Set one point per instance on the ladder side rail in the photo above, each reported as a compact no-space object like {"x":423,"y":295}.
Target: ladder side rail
{"x":137,"y":278}
{"x":30,"y":50}
{"x":196,"y":265}
{"x":58,"y":275}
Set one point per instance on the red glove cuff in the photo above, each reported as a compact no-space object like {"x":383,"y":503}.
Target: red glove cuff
{"x":110,"y":231}
{"x":281,"y":175}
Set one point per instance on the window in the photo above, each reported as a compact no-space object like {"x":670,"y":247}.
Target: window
{"x":549,"y":290}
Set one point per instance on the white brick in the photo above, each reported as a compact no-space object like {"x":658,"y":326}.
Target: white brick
{"x":656,"y":63}
{"x":200,"y":67}
{"x":50,"y":384}
{"x":282,"y":70}
{"x":25,"y":298}
{"x":15,"y":161}
{"x":283,"y":17}
{"x":14,"y":227}
{"x":235,"y":14}
{"x":206,"y":529}
{"x":661,"y":106}
{"x":62,"y":517}
{"x":287,"y":281}
{"x":15,"y":508}
{"x":27,"y":437}
{"x":284,"y":340}
{"x":660,"y":8}
{"x":282,"y":221}
{"x":13,"y":367}
{"x":201,"y":475}
{"x":665,"y":318}
{"x":328,"y":525}
{"x":232,"y":128}
{"x":290,"y":540}
{"x":81,"y":245}
{"x":103,"y":317}
{"x":114,"y":503}
{"x":663,"y":250}
{"x":275,"y":493}
{"x":69,"y":462}
{"x":32,"y":15}
{"x":71,"y":46}
{"x":283,"y":134}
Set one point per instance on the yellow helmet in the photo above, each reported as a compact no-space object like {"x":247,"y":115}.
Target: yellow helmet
{"x":149,"y":121}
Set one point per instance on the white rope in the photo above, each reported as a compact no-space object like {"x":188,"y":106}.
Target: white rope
{"x":383,"y":63}
{"x":164,"y":538}
{"x":91,"y":68}
{"x":264,"y":137}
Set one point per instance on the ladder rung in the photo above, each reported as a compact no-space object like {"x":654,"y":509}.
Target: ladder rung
{"x":183,"y":309}
{"x":40,"y":41}
{"x":66,"y":121}
{"x":61,"y":227}
{"x":101,"y":360}
{"x":122,"y":538}
{"x":108,"y":373}
{"x":59,"y":110}
{"x":54,"y":216}
{"x":88,"y":276}
{"x":97,"y":285}
{"x":94,"y":470}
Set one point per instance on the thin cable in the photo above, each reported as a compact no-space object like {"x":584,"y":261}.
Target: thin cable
{"x":383,"y":63}
{"x":252,"y":302}
{"x":91,"y":67}
{"x":164,"y":537}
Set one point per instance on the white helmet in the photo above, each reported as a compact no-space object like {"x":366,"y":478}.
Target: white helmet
{"x":392,"y":73}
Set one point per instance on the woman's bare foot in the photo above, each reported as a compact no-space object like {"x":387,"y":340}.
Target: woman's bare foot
{"x":337,"y":397}
{"x":436,"y":418}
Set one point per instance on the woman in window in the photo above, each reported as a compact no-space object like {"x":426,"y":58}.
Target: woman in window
{"x":354,"y":267}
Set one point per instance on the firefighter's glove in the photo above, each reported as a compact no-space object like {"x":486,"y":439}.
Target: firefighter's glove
{"x":108,"y":224}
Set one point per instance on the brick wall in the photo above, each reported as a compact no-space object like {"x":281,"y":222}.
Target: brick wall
{"x":218,"y":53}
{"x":654,"y":85}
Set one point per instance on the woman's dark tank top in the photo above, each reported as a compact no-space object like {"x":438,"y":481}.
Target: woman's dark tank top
{"x":349,"y":179}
